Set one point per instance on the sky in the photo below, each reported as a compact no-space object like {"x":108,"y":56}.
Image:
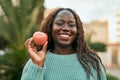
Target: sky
{"x":88,"y":10}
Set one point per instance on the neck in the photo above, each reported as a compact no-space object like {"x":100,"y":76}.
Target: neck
{"x":63,"y":51}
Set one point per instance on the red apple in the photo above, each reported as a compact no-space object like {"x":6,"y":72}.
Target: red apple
{"x":40,"y":38}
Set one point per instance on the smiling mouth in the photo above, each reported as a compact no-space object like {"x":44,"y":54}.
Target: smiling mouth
{"x":64,"y":36}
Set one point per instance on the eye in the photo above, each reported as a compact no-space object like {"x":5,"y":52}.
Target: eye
{"x":72,"y":24}
{"x":59,"y":23}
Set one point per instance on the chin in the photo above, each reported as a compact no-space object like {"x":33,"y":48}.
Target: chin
{"x":66,"y":44}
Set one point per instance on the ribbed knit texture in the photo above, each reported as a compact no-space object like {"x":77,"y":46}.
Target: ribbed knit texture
{"x":57,"y":67}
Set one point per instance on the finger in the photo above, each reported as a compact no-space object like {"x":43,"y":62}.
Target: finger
{"x":28,"y":42}
{"x":31,"y":44}
{"x":34,"y":56}
{"x":32,"y":51}
{"x":30,"y":48}
{"x":45,"y":46}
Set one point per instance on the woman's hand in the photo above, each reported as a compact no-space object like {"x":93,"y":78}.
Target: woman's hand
{"x":37,"y":56}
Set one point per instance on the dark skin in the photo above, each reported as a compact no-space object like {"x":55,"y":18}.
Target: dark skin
{"x":64,"y":32}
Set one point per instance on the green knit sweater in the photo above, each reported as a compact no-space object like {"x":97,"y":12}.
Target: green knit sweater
{"x":58,"y":67}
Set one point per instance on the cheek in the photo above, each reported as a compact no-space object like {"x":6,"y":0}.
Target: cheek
{"x":54,"y":31}
{"x":74,"y":31}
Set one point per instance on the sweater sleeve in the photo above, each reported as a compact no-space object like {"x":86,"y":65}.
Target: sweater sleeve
{"x":32,"y":72}
{"x":104,"y":77}
{"x":102,"y":74}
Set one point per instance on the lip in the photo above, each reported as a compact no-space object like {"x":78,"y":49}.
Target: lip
{"x":65,"y":36}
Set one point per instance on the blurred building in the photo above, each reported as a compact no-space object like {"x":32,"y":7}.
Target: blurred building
{"x":114,"y":28}
{"x":114,"y":38}
{"x":107,"y":32}
{"x":98,"y":30}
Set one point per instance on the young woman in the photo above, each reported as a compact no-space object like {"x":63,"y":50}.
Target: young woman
{"x":65,"y":56}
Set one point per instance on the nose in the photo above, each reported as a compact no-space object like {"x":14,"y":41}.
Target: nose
{"x":66,"y":28}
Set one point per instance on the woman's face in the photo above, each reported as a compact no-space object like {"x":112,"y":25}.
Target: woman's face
{"x":64,"y":29}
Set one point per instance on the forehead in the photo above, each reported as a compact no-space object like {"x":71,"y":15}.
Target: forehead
{"x":64,"y":13}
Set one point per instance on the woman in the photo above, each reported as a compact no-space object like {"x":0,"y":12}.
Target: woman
{"x":65,"y":56}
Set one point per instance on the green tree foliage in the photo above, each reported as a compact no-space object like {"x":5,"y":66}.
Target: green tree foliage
{"x":97,"y":46}
{"x":16,"y":25}
{"x":111,"y":77}
{"x":18,"y":22}
{"x":3,"y":43}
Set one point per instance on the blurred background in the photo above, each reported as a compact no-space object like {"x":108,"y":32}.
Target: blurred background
{"x":19,"y":19}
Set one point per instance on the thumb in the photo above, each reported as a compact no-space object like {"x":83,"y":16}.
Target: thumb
{"x":45,"y":46}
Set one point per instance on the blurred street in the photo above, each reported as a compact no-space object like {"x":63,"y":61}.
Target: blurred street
{"x":115,"y":71}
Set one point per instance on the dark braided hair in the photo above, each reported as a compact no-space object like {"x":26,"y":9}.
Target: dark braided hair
{"x":86,"y":56}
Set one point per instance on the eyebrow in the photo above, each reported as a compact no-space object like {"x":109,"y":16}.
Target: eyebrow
{"x":71,"y":20}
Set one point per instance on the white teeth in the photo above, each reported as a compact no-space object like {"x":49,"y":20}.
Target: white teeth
{"x":64,"y":35}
